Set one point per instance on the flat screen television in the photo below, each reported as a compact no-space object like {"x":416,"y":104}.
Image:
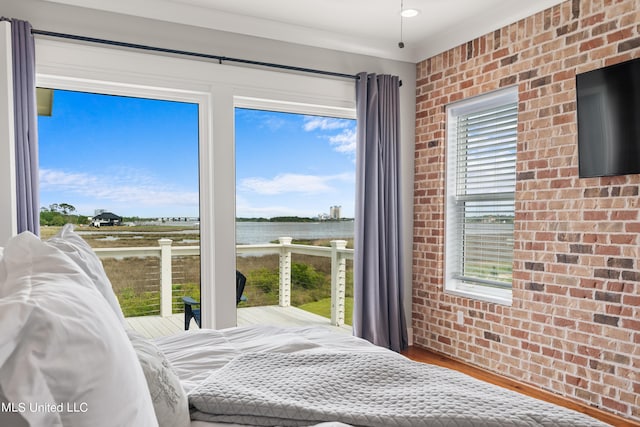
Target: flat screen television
{"x":608,"y":102}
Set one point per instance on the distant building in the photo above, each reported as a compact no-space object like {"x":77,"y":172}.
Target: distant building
{"x":106,"y":218}
{"x":334,"y":212}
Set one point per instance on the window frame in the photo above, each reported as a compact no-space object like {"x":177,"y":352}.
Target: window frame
{"x":453,"y":234}
{"x":216,"y":89}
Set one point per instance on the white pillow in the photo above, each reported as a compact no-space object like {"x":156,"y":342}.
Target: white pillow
{"x":169,"y":399}
{"x":63,"y":355}
{"x":79,"y":251}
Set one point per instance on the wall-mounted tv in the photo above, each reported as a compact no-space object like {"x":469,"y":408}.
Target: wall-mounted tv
{"x":609,"y":120}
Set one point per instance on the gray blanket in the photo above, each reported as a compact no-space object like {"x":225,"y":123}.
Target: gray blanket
{"x":363,"y":389}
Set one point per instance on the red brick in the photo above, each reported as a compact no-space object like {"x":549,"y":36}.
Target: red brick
{"x":591,"y":44}
{"x":631,"y":324}
{"x":592,"y":20}
{"x":632,"y":227}
{"x":619,"y":35}
{"x":615,"y":405}
{"x":595,"y":215}
{"x":624,"y":215}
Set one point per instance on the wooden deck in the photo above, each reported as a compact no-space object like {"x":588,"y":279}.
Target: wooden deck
{"x":156,"y":326}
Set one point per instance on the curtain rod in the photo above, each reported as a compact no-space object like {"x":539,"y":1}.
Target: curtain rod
{"x":218,"y":58}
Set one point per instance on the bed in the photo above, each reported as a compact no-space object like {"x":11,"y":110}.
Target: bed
{"x":67,"y":359}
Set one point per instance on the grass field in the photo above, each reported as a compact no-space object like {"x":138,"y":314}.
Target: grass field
{"x":136,"y":281}
{"x":323,"y":308}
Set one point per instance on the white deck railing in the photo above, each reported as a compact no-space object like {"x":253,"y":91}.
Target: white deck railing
{"x":338,"y":253}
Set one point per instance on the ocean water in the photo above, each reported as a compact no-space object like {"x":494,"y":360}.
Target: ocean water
{"x":249,"y":233}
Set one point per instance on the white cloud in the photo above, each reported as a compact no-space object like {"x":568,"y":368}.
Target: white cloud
{"x":51,"y":179}
{"x":130,"y":187}
{"x":273,"y":124}
{"x":292,"y":183}
{"x":344,"y":142}
{"x":312,"y":123}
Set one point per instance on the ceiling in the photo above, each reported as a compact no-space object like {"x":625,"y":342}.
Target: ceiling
{"x":369,"y":27}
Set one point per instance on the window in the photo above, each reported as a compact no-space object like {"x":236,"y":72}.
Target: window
{"x":111,"y":160}
{"x":481,"y":178}
{"x":295,"y":178}
{"x":215,"y":89}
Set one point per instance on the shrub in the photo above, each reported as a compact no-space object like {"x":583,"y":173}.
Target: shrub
{"x":306,"y":277}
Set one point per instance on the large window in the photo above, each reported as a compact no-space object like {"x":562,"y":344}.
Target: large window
{"x":481,"y":177}
{"x":124,"y":170}
{"x":216,"y":90}
{"x":295,"y":178}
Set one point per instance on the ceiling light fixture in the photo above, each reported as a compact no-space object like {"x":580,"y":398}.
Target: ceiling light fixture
{"x":409,"y":13}
{"x":405,"y":13}
{"x":401,"y":43}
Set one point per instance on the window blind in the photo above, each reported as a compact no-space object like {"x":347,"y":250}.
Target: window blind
{"x":485,"y":193}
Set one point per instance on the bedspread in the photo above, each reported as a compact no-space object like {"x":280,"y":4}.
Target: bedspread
{"x":363,"y":389}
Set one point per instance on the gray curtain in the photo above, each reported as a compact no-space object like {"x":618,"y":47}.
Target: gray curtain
{"x":378,"y":312}
{"x":26,"y":126}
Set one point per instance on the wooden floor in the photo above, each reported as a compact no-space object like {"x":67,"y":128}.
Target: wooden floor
{"x":426,"y":356}
{"x":156,"y":326}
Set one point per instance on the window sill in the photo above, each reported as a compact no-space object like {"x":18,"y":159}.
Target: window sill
{"x":482,"y":293}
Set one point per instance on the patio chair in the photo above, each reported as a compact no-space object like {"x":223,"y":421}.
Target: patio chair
{"x":194,"y":313}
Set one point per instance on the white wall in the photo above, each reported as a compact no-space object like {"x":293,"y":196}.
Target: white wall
{"x":225,"y":81}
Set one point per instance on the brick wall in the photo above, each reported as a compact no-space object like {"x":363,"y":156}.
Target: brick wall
{"x":574,"y":325}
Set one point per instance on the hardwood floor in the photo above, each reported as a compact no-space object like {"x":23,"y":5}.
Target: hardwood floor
{"x":426,"y":356}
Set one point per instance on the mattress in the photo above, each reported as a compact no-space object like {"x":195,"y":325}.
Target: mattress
{"x":196,"y":353}
{"x":217,"y":366}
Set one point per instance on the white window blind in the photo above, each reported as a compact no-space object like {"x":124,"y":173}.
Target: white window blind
{"x":482,"y":194}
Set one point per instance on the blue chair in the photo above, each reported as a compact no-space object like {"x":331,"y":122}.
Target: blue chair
{"x":194,"y":313}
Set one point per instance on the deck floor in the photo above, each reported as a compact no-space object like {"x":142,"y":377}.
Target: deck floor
{"x":156,"y":326}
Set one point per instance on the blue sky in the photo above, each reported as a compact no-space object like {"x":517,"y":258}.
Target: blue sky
{"x":292,"y":164}
{"x":139,"y":157}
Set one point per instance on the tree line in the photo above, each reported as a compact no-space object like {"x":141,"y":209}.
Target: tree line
{"x":61,"y":214}
{"x":278,"y":219}
{"x":287,"y":219}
